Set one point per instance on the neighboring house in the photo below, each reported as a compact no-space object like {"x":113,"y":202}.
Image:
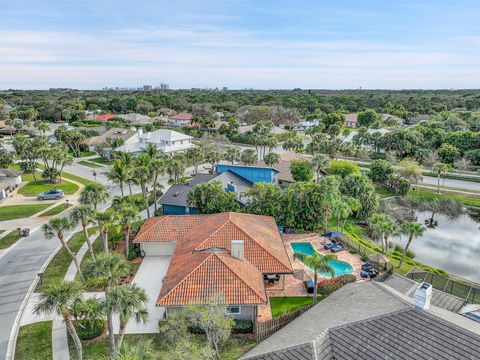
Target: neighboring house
{"x":181,"y":119}
{"x":166,"y":141}
{"x":10,"y":177}
{"x":105,"y":117}
{"x":284,"y":176}
{"x":369,"y":320}
{"x":7,"y":129}
{"x":351,"y":120}
{"x":305,"y":125}
{"x":174,"y":201}
{"x":287,"y":124}
{"x":381,"y":131}
{"x":246,"y":128}
{"x":3,"y":191}
{"x":251,"y":173}
{"x":220,"y":254}
{"x":127,"y":135}
{"x":136,"y":119}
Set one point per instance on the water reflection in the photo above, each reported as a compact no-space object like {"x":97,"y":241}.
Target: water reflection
{"x":452,"y":245}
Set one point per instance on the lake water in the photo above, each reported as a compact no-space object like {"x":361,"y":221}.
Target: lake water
{"x":454,"y":245}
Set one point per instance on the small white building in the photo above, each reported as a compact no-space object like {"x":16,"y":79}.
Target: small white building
{"x":10,"y":177}
{"x":166,"y":141}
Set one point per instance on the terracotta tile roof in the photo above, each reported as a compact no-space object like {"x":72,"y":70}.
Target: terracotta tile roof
{"x":263,"y":245}
{"x":105,"y":117}
{"x":182,"y":116}
{"x":351,"y":117}
{"x":197,"y":277}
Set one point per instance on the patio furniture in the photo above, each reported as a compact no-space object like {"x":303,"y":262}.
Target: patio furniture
{"x":309,"y":286}
{"x":367,"y":266}
{"x":373,"y":274}
{"x":333,"y":235}
{"x":328,"y":246}
{"x":339,"y":247}
{"x":364,"y":274}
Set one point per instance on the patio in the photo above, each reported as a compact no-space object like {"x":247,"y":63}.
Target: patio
{"x":292,"y":285}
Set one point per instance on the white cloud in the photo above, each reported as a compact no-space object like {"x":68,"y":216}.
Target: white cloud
{"x":197,"y":56}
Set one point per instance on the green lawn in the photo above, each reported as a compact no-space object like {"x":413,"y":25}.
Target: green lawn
{"x":101,"y":160}
{"x":57,"y":209}
{"x":469,"y":200}
{"x":34,"y":187}
{"x":89,"y":164}
{"x":98,"y":349}
{"x":34,"y":342}
{"x":10,"y":212}
{"x":11,"y":238}
{"x":82,"y":153}
{"x":57,"y":268}
{"x":283,"y":305}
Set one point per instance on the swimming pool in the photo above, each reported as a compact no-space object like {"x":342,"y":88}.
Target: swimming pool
{"x":340,"y":267}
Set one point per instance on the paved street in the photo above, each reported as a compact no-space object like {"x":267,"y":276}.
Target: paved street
{"x":460,"y":184}
{"x":20,"y":265}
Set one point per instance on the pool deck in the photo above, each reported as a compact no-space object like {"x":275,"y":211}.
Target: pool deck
{"x":292,"y":285}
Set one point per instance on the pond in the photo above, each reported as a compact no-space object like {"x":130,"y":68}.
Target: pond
{"x":451,"y":245}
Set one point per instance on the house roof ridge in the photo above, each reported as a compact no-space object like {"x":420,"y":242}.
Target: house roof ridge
{"x":186,"y":277}
{"x":154,"y":224}
{"x":238,"y":275}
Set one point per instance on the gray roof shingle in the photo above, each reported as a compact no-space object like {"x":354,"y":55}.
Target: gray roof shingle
{"x":365,"y":321}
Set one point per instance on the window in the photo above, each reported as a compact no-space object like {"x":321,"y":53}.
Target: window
{"x":233,"y":310}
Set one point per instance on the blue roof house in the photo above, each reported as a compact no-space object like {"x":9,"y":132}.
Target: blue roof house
{"x":252,"y":173}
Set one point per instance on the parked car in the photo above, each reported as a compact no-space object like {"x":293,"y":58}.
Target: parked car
{"x":50,"y":195}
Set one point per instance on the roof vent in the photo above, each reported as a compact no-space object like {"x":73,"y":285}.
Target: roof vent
{"x":176,"y":193}
{"x":423,"y":296}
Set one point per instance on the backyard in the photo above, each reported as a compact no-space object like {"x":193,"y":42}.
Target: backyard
{"x":284,"y":305}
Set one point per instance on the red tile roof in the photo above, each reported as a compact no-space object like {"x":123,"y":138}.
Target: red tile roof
{"x":197,"y":277}
{"x":351,"y":117}
{"x":263,"y":245}
{"x":201,"y":264}
{"x":182,"y":116}
{"x":105,"y":117}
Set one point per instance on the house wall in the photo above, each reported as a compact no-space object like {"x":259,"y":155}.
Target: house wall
{"x":247,"y":312}
{"x":254,"y":174}
{"x":177,"y":210}
{"x":158,"y":248}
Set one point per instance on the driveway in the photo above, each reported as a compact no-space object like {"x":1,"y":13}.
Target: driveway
{"x":150,"y":277}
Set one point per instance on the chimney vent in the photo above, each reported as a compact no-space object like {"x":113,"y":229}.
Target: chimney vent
{"x":237,"y":247}
{"x":423,"y":296}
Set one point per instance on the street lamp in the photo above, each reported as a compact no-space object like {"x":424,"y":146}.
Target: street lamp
{"x":95,"y":175}
{"x":67,"y":202}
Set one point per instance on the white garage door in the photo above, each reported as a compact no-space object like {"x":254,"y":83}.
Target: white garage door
{"x":158,"y":249}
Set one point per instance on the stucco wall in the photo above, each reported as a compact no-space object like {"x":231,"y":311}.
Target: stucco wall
{"x":158,"y":249}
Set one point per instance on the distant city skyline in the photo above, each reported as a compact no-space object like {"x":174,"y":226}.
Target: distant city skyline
{"x":328,"y":44}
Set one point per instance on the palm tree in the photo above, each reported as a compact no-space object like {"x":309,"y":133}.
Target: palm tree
{"x":128,"y":217}
{"x":118,"y":174}
{"x":60,"y":298}
{"x":127,"y":160}
{"x":105,"y":221}
{"x":249,"y":157}
{"x":142,"y":350}
{"x":440,"y":169}
{"x":412,"y":230}
{"x":142,"y":176}
{"x":57,"y":227}
{"x":383,"y":226}
{"x":175,"y":169}
{"x":271,"y":158}
{"x":152,"y":151}
{"x":94,"y":194}
{"x":320,"y":163}
{"x":107,"y":270}
{"x":157,"y":168}
{"x":195,"y":156}
{"x":128,"y":301}
{"x":232,"y":154}
{"x":84,"y":214}
{"x":317,"y":263}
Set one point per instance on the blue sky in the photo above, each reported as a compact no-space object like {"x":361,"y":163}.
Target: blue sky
{"x":240,"y":44}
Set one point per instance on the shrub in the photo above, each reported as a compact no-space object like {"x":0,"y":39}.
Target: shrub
{"x":133,"y":251}
{"x":88,"y":330}
{"x":380,"y":170}
{"x":328,"y":286}
{"x":343,"y":168}
{"x":410,"y":254}
{"x":242,"y":327}
{"x":398,"y":248}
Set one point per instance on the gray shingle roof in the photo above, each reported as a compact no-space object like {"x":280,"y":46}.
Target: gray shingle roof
{"x":366,"y":321}
{"x":177,"y":194}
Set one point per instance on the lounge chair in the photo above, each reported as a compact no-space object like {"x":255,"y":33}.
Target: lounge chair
{"x":328,"y":246}
{"x":309,"y":286}
{"x":339,"y":247}
{"x":364,"y":274}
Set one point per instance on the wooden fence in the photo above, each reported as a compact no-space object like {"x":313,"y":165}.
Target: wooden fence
{"x":267,"y":328}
